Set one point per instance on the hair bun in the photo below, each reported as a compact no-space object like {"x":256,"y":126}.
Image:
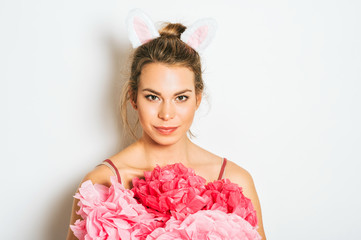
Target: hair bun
{"x":172,"y":30}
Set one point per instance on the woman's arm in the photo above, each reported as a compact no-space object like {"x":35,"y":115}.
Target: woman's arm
{"x":100,"y":175}
{"x":240,"y":176}
{"x":73,"y":218}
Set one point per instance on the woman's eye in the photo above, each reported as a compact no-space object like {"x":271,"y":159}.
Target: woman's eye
{"x":151,"y":97}
{"x":182,"y":98}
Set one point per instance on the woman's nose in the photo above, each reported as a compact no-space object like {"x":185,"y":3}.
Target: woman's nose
{"x":167,"y":111}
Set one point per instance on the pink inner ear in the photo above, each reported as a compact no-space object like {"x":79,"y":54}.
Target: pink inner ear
{"x":142,"y":30}
{"x":198,"y":37}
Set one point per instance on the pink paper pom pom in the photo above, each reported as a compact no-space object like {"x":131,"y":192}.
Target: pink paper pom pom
{"x":111,"y":213}
{"x":228,"y":197}
{"x":207,"y":224}
{"x":172,"y":190}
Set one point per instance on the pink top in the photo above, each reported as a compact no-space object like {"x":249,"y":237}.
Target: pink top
{"x":115,"y":170}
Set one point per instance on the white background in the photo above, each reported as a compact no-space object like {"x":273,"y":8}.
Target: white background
{"x":283,"y":86}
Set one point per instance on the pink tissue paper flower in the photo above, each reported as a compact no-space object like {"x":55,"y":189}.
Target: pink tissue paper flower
{"x":111,"y":213}
{"x":173,"y":190}
{"x":206,"y":224}
{"x":228,"y":197}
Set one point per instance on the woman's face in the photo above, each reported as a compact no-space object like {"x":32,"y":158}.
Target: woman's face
{"x":166,"y":102}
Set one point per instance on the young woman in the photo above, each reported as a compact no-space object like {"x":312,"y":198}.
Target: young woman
{"x":165,"y":89}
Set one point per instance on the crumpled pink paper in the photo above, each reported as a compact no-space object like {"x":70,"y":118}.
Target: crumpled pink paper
{"x":172,"y":202}
{"x":173,"y":190}
{"x":111,"y":213}
{"x":228,"y":197}
{"x":207,"y":224}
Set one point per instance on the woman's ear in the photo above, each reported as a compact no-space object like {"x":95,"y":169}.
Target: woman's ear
{"x":134,"y":105}
{"x":199,"y":99}
{"x":133,"y":100}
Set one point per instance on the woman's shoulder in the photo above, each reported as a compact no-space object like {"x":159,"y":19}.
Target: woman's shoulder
{"x":238,"y":174}
{"x":127,"y":163}
{"x":100,"y":174}
{"x":232,"y":171}
{"x":242,"y":178}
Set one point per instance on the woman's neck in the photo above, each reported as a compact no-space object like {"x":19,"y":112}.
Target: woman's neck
{"x":157,"y":154}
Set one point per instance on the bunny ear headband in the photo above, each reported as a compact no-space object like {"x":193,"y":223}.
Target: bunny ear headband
{"x":141,"y":29}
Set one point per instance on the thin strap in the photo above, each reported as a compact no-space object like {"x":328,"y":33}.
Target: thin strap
{"x":110,"y":164}
{"x":221,"y":173}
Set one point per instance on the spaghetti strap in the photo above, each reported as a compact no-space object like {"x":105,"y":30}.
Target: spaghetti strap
{"x":221,"y":173}
{"x":110,"y":164}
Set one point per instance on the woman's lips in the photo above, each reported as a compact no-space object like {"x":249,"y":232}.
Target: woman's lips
{"x":165,"y":130}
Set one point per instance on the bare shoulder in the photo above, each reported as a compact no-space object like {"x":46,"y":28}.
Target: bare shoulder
{"x":100,"y":175}
{"x":239,"y":175}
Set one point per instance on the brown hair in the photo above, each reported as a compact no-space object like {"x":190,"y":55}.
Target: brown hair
{"x":167,"y":49}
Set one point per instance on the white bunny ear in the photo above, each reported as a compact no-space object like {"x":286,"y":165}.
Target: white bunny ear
{"x":141,"y":29}
{"x":200,"y":34}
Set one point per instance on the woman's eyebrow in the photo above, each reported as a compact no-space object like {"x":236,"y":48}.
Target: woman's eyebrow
{"x":151,"y":90}
{"x":183,"y":91}
{"x":157,"y":93}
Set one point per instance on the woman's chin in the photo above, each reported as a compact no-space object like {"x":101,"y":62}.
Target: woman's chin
{"x":165,"y":139}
